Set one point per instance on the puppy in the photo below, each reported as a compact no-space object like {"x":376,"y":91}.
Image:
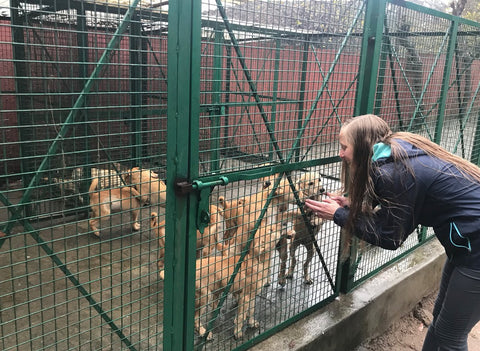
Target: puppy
{"x":206,"y":242}
{"x":104,"y":202}
{"x":152,"y":189}
{"x":214,"y":272}
{"x":159,"y":229}
{"x":239,"y":212}
{"x":309,"y":186}
{"x":233,"y":211}
{"x":262,"y":246}
{"x":300,"y":235}
{"x":212,"y":276}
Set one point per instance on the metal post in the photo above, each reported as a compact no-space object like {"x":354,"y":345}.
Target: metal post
{"x":365,"y":101}
{"x":370,"y":56}
{"x":136,"y":89}
{"x":446,"y":80}
{"x":182,"y":163}
{"x":216,"y":112}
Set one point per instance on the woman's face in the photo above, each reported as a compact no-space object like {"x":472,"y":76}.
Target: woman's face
{"x":346,"y":149}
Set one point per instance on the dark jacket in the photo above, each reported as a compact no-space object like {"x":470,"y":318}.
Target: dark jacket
{"x":432,"y":193}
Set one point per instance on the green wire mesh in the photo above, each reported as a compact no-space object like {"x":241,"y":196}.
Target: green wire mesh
{"x":83,"y":96}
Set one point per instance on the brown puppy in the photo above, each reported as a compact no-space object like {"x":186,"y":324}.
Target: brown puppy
{"x":152,"y":189}
{"x":242,"y":211}
{"x":107,"y":201}
{"x":233,"y":212}
{"x":214,"y":272}
{"x":212,"y":276}
{"x":159,"y":229}
{"x":308,"y":186}
{"x":206,"y":242}
{"x":265,"y":238}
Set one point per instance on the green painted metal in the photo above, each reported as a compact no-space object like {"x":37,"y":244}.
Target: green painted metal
{"x":452,"y":38}
{"x":467,"y":116}
{"x":390,"y":50}
{"x":216,"y":113}
{"x":16,"y":210}
{"x":275,"y":91}
{"x":307,"y":119}
{"x":418,"y":103}
{"x":365,"y":102}
{"x":369,"y":59}
{"x":475,"y":157}
{"x":241,"y":92}
{"x":137,"y":58}
{"x":249,"y":79}
{"x":382,"y":70}
{"x":301,"y":100}
{"x":182,"y":158}
{"x":67,"y":125}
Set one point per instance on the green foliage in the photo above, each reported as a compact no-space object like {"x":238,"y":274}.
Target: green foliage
{"x":472,"y":12}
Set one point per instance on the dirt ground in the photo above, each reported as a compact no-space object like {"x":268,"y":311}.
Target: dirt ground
{"x":408,"y":333}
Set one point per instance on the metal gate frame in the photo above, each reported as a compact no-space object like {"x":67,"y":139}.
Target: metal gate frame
{"x":186,"y":208}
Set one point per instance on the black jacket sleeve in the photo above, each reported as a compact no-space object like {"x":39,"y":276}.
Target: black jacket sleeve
{"x":394,"y":218}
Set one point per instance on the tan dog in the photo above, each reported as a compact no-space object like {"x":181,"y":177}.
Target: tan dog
{"x":241,"y":215}
{"x":265,"y":238}
{"x":159,"y":229}
{"x":152,"y":189}
{"x":245,"y":210}
{"x":233,"y":212}
{"x":206,"y":242}
{"x":214,"y":272}
{"x":104,"y":202}
{"x":308,"y":186}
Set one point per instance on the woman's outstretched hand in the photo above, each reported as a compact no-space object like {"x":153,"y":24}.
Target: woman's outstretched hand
{"x":325,"y":209}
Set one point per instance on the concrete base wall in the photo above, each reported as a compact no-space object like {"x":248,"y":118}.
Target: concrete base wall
{"x":368,"y":310}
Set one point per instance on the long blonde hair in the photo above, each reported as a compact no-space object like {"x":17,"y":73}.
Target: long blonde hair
{"x":362,"y":133}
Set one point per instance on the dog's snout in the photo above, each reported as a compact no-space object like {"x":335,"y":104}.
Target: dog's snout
{"x":322,"y":190}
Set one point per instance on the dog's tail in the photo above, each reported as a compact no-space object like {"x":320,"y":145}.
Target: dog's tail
{"x":93,"y":186}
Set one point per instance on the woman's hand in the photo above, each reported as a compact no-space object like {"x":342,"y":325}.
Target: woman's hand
{"x":341,"y":200}
{"x":324,"y":209}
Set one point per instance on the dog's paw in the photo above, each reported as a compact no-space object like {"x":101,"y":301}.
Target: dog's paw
{"x":238,"y":334}
{"x":136,"y":226}
{"x":161,"y":274}
{"x":253,"y":323}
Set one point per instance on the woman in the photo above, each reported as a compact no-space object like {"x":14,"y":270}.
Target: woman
{"x":397,"y":181}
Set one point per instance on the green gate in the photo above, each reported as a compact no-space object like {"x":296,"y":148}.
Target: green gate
{"x":235,"y":107}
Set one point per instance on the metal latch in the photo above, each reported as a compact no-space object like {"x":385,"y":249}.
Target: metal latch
{"x":203,"y":190}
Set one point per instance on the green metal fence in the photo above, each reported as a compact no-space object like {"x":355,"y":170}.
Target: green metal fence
{"x":230,"y":110}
